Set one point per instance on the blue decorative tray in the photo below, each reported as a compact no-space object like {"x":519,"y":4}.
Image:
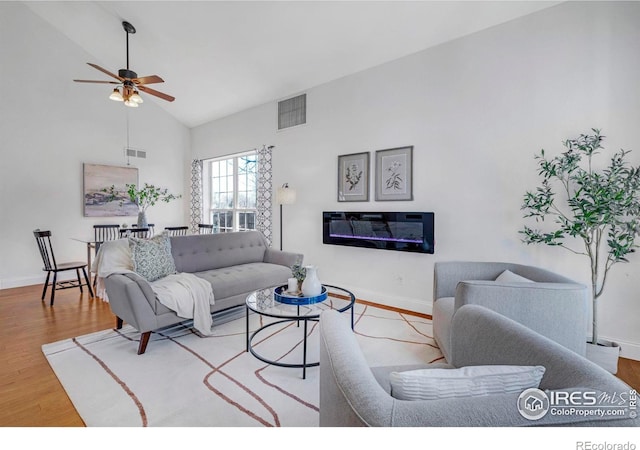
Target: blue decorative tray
{"x":281,"y":295}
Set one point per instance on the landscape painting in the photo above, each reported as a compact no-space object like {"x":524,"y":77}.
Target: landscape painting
{"x":97,"y":202}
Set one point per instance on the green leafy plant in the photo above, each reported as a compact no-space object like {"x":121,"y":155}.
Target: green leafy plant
{"x":144,"y":197}
{"x":299,"y":272}
{"x":600,"y":209}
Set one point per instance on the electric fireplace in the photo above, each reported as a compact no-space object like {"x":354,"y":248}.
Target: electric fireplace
{"x":401,"y":231}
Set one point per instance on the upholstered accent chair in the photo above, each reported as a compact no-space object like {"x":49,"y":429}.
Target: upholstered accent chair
{"x":548,"y":303}
{"x":353,"y":394}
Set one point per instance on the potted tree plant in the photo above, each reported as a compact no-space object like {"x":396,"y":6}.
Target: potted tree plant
{"x":600,"y":209}
{"x":146,"y":196}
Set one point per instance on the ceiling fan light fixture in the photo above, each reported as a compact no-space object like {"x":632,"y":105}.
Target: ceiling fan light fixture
{"x":129,"y":81}
{"x":116,"y":95}
{"x":136,"y":97}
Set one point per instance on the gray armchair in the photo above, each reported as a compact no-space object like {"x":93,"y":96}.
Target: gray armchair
{"x":354,"y":394}
{"x":554,"y":306}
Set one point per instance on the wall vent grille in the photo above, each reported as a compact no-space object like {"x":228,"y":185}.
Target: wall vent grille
{"x":135,"y":153}
{"x":292,"y":112}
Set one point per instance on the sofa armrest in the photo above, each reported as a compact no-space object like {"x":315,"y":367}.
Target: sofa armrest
{"x":132,"y":300}
{"x":539,"y":306}
{"x":282,"y":258}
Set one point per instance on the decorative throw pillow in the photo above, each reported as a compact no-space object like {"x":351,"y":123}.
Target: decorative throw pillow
{"x":152,"y":258}
{"x":471,"y":381}
{"x":509,"y":277}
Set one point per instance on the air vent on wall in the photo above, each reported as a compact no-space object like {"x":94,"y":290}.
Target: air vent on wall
{"x":292,"y":112}
{"x":132,"y":152}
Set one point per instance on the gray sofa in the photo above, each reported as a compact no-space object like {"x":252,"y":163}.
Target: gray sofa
{"x":235,"y":264}
{"x":353,"y":394}
{"x":553,"y":305}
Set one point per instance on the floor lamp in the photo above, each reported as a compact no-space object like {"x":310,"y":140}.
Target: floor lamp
{"x":285,"y":196}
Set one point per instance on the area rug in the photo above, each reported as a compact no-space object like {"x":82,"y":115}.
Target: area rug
{"x":188,"y":380}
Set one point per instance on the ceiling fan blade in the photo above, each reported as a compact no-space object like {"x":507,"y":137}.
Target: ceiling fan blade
{"x":156,"y":93}
{"x":148,"y":80}
{"x":95,"y":66}
{"x":96,"y":81}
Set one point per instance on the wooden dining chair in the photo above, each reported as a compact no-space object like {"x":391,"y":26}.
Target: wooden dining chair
{"x":43,"y":238}
{"x":177,"y":231}
{"x":205,"y":228}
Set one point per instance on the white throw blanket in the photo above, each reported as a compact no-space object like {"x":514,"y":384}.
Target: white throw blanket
{"x":189,"y":296}
{"x":186,"y":294}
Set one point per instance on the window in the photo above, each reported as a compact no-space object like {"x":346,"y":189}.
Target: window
{"x":230,"y":192}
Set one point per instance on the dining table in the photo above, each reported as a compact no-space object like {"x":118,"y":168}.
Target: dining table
{"x":91,"y":245}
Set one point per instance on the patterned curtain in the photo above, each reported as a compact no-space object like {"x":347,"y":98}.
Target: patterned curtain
{"x":264,"y":221}
{"x":196,"y":195}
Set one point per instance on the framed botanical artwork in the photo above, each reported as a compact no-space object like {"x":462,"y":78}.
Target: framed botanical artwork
{"x":394,"y":174}
{"x":97,"y":178}
{"x":353,"y":177}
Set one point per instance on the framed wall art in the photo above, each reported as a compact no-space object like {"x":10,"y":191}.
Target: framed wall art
{"x":394,"y":174}
{"x":353,"y":177}
{"x":97,"y":177}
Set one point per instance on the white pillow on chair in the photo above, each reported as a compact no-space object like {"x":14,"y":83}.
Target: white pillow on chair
{"x":509,"y":277}
{"x":471,"y":381}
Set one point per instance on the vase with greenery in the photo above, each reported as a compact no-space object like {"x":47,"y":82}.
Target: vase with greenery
{"x":299,"y":273}
{"x":143,"y":197}
{"x":596,"y":213}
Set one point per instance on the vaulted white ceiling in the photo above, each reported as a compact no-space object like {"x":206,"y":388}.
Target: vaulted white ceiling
{"x":221,"y":57}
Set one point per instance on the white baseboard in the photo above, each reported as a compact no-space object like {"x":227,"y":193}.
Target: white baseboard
{"x":628,"y":350}
{"x":8,"y":283}
{"x":21,"y":281}
{"x":395,"y":301}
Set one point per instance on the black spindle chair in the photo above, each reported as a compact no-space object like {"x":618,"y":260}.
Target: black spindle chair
{"x":43,"y":238}
{"x":205,"y":228}
{"x":177,"y":231}
{"x":135,"y":232}
{"x":102,"y":233}
{"x":150,"y":229}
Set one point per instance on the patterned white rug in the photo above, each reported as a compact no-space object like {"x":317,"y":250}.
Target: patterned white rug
{"x":184,"y":379}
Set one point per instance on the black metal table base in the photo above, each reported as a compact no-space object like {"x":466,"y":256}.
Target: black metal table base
{"x":286,"y":319}
{"x":302,"y":365}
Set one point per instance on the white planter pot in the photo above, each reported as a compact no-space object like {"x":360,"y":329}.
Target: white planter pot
{"x":605,"y":354}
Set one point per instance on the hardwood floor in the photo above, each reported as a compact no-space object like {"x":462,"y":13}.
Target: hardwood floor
{"x":30,"y":393}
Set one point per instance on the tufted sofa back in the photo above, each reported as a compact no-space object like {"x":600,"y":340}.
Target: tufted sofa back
{"x":202,"y":252}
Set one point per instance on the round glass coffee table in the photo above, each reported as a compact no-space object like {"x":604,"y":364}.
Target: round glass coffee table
{"x":274,"y":302}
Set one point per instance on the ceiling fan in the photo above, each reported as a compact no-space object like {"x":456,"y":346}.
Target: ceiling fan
{"x":129,"y":81}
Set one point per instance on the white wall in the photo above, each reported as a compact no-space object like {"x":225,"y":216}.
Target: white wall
{"x":476,"y":111}
{"x":49,"y":127}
